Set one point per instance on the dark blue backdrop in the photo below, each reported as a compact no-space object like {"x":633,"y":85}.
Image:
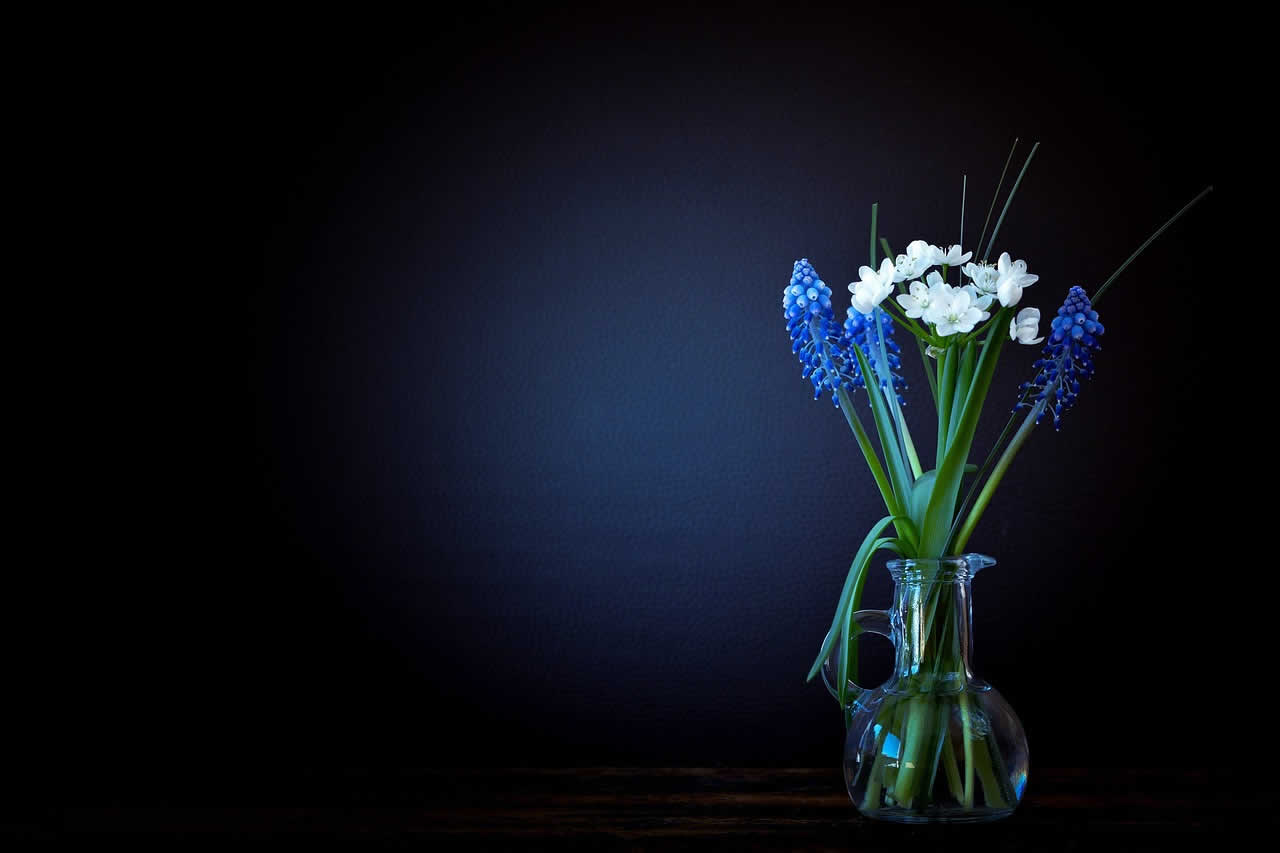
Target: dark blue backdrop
{"x":535,"y":477}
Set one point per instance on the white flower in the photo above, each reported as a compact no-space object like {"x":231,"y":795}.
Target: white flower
{"x":920,"y":297}
{"x":1013,"y":277}
{"x":951,"y":257}
{"x":953,"y":311}
{"x":1023,"y":329}
{"x":919,"y":257}
{"x":984,"y":276}
{"x":982,"y":301}
{"x":873,"y":288}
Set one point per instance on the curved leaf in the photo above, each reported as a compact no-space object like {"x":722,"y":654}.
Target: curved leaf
{"x":856,"y":569}
{"x":898,"y":471}
{"x":936,"y":529}
{"x":850,"y":638}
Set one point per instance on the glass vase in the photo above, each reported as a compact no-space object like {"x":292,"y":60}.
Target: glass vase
{"x":935,"y":743}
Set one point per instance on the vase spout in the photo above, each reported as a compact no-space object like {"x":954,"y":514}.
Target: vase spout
{"x":978,"y":562}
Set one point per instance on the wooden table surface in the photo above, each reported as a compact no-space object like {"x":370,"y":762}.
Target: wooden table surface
{"x":648,"y":808}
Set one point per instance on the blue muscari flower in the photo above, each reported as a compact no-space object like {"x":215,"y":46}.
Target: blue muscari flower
{"x":1068,"y":357}
{"x":815,"y":334}
{"x":860,"y":330}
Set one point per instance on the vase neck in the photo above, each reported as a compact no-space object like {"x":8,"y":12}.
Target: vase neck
{"x":932,"y":622}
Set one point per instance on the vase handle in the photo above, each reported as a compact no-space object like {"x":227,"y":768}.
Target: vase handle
{"x":867,"y":622}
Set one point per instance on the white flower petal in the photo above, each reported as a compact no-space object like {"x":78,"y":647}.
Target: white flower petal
{"x":886,"y":271}
{"x":1009,"y":293}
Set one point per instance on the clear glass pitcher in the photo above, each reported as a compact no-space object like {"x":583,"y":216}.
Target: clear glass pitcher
{"x":934,"y":742}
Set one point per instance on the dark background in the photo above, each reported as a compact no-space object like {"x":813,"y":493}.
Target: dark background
{"x":518,"y":468}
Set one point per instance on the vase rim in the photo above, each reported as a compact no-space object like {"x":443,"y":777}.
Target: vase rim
{"x":960,"y":567}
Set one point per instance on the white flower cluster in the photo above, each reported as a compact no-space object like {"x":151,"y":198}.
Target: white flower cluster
{"x":949,"y":309}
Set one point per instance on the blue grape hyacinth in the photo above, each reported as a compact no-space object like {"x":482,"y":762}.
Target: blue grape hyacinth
{"x":815,"y":334}
{"x":860,"y":330}
{"x":1068,"y":357}
{"x":807,"y":295}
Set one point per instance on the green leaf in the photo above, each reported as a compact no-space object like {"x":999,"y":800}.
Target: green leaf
{"x":898,"y":470}
{"x":888,"y":253}
{"x":936,"y":529}
{"x":850,"y":638}
{"x":868,"y":452}
{"x":1008,"y":201}
{"x":885,"y":375}
{"x":1098,"y":295}
{"x":928,"y":371}
{"x":996,"y":195}
{"x":921,"y":491}
{"x":909,"y":534}
{"x":964,"y":379}
{"x":853,"y":580}
{"x":920,"y":494}
{"x":875,"y":207}
{"x":948,"y":359}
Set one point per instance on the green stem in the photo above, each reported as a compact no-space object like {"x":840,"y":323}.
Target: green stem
{"x":871,"y":800}
{"x":990,"y":343}
{"x":1008,"y":201}
{"x":899,"y":733}
{"x":967,"y":739}
{"x":899,"y":469}
{"x":949,"y":763}
{"x":946,"y":391}
{"x":940,"y":730}
{"x":1007,"y":793}
{"x":1101,"y":290}
{"x":964,"y":191}
{"x":899,"y":316}
{"x":888,"y":253}
{"x":912,"y":456}
{"x":928,"y":371}
{"x":995,"y":196}
{"x":939,"y":514}
{"x":868,"y":452}
{"x":886,"y":377}
{"x":875,"y":208}
{"x":986,"y":465}
{"x":992,"y":790}
{"x":961,"y":538}
{"x":964,"y":381}
{"x":915,"y":739}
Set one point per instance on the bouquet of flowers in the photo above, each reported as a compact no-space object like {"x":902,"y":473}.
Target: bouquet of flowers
{"x":961,"y":307}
